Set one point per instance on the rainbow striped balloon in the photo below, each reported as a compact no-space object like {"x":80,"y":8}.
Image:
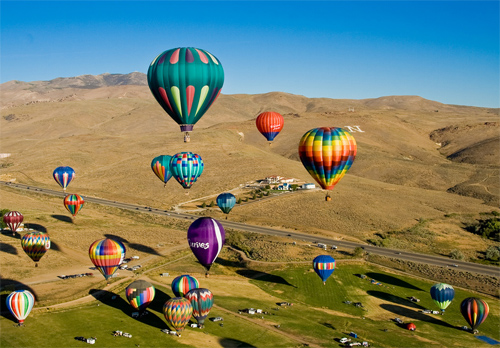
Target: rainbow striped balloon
{"x":183,"y":283}
{"x":327,"y":153}
{"x":186,"y":167}
{"x":324,"y":265}
{"x":475,"y":311}
{"x":35,"y":244}
{"x":202,"y":301}
{"x":63,"y":176}
{"x":178,"y":311}
{"x":140,"y":294}
{"x":20,"y":303}
{"x":107,"y":255}
{"x":74,"y":203}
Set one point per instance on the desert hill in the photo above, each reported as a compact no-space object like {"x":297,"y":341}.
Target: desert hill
{"x":417,"y":158}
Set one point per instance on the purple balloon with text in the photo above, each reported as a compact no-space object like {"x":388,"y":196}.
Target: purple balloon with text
{"x":206,"y":237}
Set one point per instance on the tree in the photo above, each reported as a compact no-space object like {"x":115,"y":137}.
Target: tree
{"x":457,"y":255}
{"x":2,"y":213}
{"x":212,"y":204}
{"x":268,"y":187}
{"x":358,"y":252}
{"x":204,"y":205}
{"x":238,"y":201}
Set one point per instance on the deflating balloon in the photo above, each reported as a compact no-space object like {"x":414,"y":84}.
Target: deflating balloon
{"x":107,"y":255}
{"x":140,"y":294}
{"x":206,"y":237}
{"x":269,"y":124}
{"x":74,"y":203}
{"x":161,"y":167}
{"x":442,"y":294}
{"x":226,"y":202}
{"x":178,"y":312}
{"x":35,"y":244}
{"x":63,"y":176}
{"x":324,"y":265}
{"x":20,"y":303}
{"x":185,"y":81}
{"x":475,"y":311}
{"x":13,"y":219}
{"x":183,"y":283}
{"x":327,"y":153}
{"x":202,"y":301}
{"x":186,"y":167}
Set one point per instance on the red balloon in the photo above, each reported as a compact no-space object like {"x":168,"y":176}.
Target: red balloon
{"x":13,"y":219}
{"x":269,"y":123}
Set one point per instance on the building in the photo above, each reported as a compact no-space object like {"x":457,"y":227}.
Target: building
{"x":308,"y":186}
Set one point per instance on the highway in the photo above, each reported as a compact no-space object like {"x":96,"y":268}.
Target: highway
{"x":400,"y":254}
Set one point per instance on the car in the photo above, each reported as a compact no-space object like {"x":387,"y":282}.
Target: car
{"x":455,"y":265}
{"x":217,"y":319}
{"x":289,"y":235}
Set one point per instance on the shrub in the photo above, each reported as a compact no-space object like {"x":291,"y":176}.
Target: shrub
{"x":457,"y":255}
{"x":238,"y":201}
{"x":204,"y":205}
{"x":2,"y":213}
{"x":212,"y":204}
{"x":493,"y":253}
{"x":487,"y":228}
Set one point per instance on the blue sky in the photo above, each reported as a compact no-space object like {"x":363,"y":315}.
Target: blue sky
{"x":445,"y":51}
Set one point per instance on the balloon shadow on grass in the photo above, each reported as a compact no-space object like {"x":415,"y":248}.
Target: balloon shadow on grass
{"x":63,"y":218}
{"x":36,"y":227}
{"x":8,"y":286}
{"x":393,"y":298}
{"x":229,"y":263}
{"x":135,"y":246}
{"x":388,"y":279}
{"x":410,"y":313}
{"x":9,"y":233}
{"x":262,"y":276}
{"x":7,"y":248}
{"x":117,"y":238}
{"x":232,"y":343}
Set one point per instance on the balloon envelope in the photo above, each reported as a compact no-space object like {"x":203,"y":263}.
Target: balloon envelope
{"x":206,"y":236}
{"x":202,"y":301}
{"x":186,"y":167}
{"x":140,"y":294}
{"x":161,"y":167}
{"x":183,"y":283}
{"x":13,"y":219}
{"x":177,"y":311}
{"x":226,"y":202}
{"x":20,"y":303}
{"x":107,"y":255}
{"x":442,"y":294}
{"x":327,"y":154}
{"x":324,"y":265}
{"x":35,"y":244}
{"x":185,"y":81}
{"x":475,"y":311}
{"x":74,"y":203}
{"x":63,"y":176}
{"x":269,"y":124}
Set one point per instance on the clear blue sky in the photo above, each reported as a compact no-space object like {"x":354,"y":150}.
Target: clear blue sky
{"x":445,"y":51}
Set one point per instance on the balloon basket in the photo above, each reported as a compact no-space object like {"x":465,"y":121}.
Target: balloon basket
{"x":328,"y":198}
{"x":36,"y":264}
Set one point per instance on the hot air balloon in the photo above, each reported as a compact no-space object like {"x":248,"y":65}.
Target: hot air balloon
{"x":186,"y":167}
{"x":324,"y":265}
{"x":327,"y":153}
{"x":182,"y":284}
{"x":63,"y":176}
{"x":107,"y":255}
{"x":442,"y":294}
{"x":206,"y":236}
{"x":20,"y":303}
{"x":161,"y":167}
{"x":177,"y":311}
{"x":140,"y":294}
{"x":226,"y":202}
{"x":35,"y":244}
{"x":185,"y":82}
{"x":475,"y":311}
{"x":13,"y":219}
{"x":202,"y":301}
{"x":74,"y":203}
{"x":269,"y":124}
{"x":411,"y":327}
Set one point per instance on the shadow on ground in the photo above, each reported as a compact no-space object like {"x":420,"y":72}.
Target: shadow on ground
{"x":63,"y":218}
{"x":262,"y":276}
{"x":394,"y":299}
{"x":410,"y":313}
{"x":388,"y":279}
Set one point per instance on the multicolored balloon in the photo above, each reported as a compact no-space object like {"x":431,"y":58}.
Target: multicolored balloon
{"x":202,"y":301}
{"x":206,"y":237}
{"x":63,"y":176}
{"x":475,"y":311}
{"x":442,"y":294}
{"x":178,"y":312}
{"x":324,"y":265}
{"x":107,"y":255}
{"x":74,"y":203}
{"x":185,"y":81}
{"x":182,"y":284}
{"x":161,"y":167}
{"x":269,"y":124}
{"x":13,"y":219}
{"x":35,"y":244}
{"x":186,"y":167}
{"x":327,"y":153}
{"x":226,"y":201}
{"x":20,"y":303}
{"x":140,"y":294}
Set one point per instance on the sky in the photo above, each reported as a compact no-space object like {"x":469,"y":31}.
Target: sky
{"x":447,"y":51}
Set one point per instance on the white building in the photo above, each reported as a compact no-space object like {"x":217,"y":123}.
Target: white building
{"x":308,"y":186}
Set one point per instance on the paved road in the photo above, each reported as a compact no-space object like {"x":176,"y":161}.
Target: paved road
{"x":400,"y":254}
